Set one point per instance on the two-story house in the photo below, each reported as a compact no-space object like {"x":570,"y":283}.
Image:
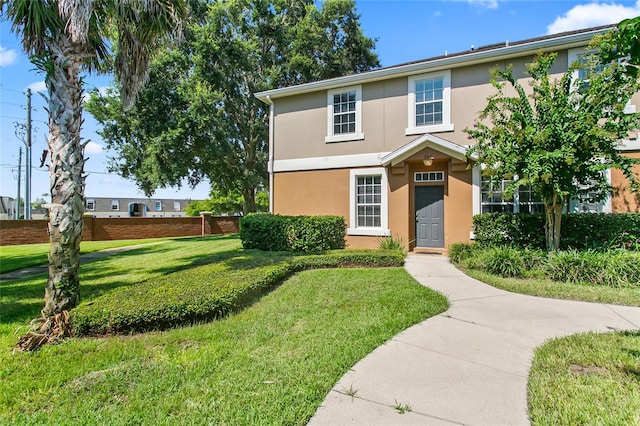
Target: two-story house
{"x":386,"y":148}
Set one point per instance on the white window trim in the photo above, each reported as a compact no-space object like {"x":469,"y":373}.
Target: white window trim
{"x":354,"y":229}
{"x":573,"y":55}
{"x":93,"y":204}
{"x":115,"y":205}
{"x":157,"y":205}
{"x":440,"y":179}
{"x":358,"y":135}
{"x":447,"y":125}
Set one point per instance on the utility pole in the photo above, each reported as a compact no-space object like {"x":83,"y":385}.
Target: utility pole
{"x":27,"y":198}
{"x":17,"y":212}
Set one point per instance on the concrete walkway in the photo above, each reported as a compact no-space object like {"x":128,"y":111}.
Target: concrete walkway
{"x":85,"y":258}
{"x":466,"y":366}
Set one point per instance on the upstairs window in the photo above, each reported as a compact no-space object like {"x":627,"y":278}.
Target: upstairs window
{"x":581,"y":75}
{"x":429,"y":98}
{"x":91,"y":204}
{"x":115,"y":205}
{"x":158,"y":206}
{"x":176,"y":206}
{"x":344,"y":114}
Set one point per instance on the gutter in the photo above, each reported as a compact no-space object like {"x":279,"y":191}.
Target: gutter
{"x":270,"y":161}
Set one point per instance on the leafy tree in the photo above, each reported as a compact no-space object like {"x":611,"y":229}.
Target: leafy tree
{"x":198,"y":118}
{"x":231,"y":203}
{"x":623,"y":43}
{"x":64,"y":38}
{"x":559,"y":139}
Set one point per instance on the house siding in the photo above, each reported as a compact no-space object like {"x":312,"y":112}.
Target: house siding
{"x":312,"y":176}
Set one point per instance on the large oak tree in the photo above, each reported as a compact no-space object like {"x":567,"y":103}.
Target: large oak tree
{"x":198,"y":117}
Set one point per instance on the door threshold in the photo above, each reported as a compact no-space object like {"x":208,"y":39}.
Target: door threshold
{"x":430,"y":250}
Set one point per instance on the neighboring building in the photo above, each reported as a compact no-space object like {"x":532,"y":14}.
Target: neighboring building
{"x":386,"y":148}
{"x":8,"y":207}
{"x":135,"y":207}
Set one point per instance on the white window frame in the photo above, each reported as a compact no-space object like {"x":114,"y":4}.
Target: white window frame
{"x":157,"y":206}
{"x":447,"y":125}
{"x":437,"y":175}
{"x":573,"y":55}
{"x":115,"y":205}
{"x":176,"y":206}
{"x":354,"y":229}
{"x":91,"y":204}
{"x":344,"y":137}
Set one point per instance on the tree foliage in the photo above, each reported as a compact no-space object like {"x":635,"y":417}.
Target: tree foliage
{"x":623,"y":43}
{"x":230,"y":203}
{"x":198,"y":118}
{"x":559,"y":139}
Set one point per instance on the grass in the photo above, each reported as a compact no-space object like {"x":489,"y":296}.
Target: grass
{"x":22,"y":256}
{"x":629,"y":296}
{"x":272,"y":363}
{"x":587,"y":379}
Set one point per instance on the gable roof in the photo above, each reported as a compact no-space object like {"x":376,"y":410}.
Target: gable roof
{"x":425,"y":141}
{"x":500,"y":51}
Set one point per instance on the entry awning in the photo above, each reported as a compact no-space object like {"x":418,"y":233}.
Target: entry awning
{"x":425,"y":141}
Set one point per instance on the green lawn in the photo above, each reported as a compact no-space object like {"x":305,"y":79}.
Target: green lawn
{"x":272,"y":363}
{"x":26,"y":255}
{"x":588,"y":379}
{"x":629,"y":296}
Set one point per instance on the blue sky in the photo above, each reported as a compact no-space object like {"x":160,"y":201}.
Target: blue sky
{"x":406,"y":31}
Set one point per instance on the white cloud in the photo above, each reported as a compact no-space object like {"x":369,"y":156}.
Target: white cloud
{"x":489,"y":4}
{"x":38,"y":86}
{"x":93,"y":148}
{"x":592,"y":15}
{"x":7,"y":57}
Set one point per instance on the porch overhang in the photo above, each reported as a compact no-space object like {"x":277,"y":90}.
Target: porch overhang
{"x":427,"y":140}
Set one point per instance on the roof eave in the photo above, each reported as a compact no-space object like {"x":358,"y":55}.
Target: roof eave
{"x":472,"y":58}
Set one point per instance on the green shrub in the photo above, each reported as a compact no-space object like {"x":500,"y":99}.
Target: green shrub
{"x":315,"y":233}
{"x":613,"y":268}
{"x":505,"y":261}
{"x":459,"y":252}
{"x":392,"y":243}
{"x":264,"y":231}
{"x":208,"y":291}
{"x":578,"y":231}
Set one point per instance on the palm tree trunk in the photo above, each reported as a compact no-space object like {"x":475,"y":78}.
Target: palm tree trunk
{"x":66,"y":178}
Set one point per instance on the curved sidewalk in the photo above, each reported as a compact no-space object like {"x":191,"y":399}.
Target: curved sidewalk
{"x":466,"y":366}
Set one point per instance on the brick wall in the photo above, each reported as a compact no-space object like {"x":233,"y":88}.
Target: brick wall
{"x":98,"y":229}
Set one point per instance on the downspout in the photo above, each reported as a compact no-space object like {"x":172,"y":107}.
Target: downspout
{"x":271,"y":141}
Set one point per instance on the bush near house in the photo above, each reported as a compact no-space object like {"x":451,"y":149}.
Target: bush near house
{"x":208,"y":291}
{"x":579,"y":231}
{"x":612,"y":268}
{"x":265,"y":231}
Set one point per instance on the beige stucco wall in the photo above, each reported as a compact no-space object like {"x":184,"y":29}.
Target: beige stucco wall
{"x":301,"y":121}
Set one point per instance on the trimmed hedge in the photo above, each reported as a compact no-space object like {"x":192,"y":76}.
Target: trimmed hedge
{"x":579,"y":231}
{"x":265,"y":231}
{"x":207,"y":292}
